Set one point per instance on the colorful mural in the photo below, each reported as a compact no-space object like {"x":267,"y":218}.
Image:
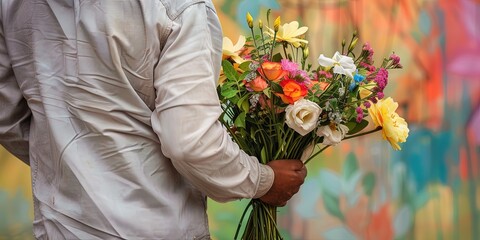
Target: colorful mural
{"x":362,"y":189}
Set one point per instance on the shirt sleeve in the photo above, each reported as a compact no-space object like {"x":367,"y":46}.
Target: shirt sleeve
{"x":14,"y":111}
{"x":187,"y":111}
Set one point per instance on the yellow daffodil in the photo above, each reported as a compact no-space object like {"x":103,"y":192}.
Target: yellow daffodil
{"x":291,"y":33}
{"x":394,"y":128}
{"x":232,"y":51}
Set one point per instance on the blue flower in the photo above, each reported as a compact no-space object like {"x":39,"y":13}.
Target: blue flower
{"x":357,"y":78}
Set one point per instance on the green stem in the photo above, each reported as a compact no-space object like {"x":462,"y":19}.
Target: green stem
{"x":263,"y":42}
{"x":241,"y":219}
{"x":314,"y":155}
{"x":273,"y":45}
{"x":353,"y":136}
{"x":255,"y":43}
{"x":285,"y":50}
{"x":364,"y":133}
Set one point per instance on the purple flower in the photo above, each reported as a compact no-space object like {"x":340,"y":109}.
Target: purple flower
{"x":380,"y":95}
{"x":367,"y":66}
{"x":325,"y":74}
{"x":367,"y":104}
{"x":303,"y":75}
{"x":368,"y":51}
{"x":381,"y":78}
{"x":289,"y":66}
{"x":367,"y":47}
{"x":359,"y":118}
{"x":359,"y":111}
{"x":395,"y":59}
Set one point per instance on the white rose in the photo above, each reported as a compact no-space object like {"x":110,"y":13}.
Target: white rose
{"x":302,"y":116}
{"x":332,"y":136}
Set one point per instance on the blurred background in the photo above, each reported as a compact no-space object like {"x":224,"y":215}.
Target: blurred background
{"x":362,"y":189}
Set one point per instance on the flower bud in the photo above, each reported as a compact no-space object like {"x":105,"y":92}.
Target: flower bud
{"x":352,"y":44}
{"x":305,"y":52}
{"x":260,"y":24}
{"x":395,"y":59}
{"x":249,"y":20}
{"x":276,"y":24}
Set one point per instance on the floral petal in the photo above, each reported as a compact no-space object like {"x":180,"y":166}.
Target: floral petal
{"x":290,"y":28}
{"x":325,"y":61}
{"x":227,"y":44}
{"x":301,"y":31}
{"x":240,"y":43}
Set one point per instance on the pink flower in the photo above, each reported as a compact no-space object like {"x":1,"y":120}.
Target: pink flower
{"x":324,"y":74}
{"x":381,"y":78}
{"x":395,"y":59}
{"x":289,"y":66}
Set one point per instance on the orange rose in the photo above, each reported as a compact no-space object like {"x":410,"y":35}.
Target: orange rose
{"x":258,"y":84}
{"x":272,"y":70}
{"x":292,"y":91}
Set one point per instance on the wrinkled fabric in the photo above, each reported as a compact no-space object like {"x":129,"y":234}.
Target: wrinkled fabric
{"x":113,"y":104}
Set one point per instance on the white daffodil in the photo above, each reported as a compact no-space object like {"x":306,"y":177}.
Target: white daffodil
{"x":232,"y":51}
{"x":290,"y":32}
{"x":341,"y":64}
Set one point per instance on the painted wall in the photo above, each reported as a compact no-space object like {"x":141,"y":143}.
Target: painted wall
{"x":362,"y":189}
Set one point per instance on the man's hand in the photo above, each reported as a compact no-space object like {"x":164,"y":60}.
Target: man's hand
{"x":289,"y":176}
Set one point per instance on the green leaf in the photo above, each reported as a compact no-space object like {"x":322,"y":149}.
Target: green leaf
{"x":276,"y":87}
{"x":263,"y":155}
{"x":243,"y":76}
{"x":368,"y":183}
{"x":277,"y":57}
{"x":332,"y":204}
{"x":350,"y":166}
{"x":356,"y":127}
{"x":333,"y":103}
{"x":243,"y":103}
{"x":267,"y":92}
{"x":227,"y":85}
{"x":229,"y":71}
{"x":245,"y":66}
{"x":229,"y":93}
{"x":240,"y":120}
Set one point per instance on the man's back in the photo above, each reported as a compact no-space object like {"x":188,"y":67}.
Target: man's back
{"x":100,"y":81}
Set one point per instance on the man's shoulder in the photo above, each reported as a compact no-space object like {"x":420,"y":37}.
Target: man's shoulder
{"x":176,"y":7}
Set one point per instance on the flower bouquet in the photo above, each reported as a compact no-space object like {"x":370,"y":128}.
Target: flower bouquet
{"x":276,"y":105}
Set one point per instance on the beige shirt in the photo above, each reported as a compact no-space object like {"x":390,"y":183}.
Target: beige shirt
{"x":113,"y":104}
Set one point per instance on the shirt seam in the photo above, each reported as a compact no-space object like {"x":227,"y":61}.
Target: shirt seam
{"x":173,"y":15}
